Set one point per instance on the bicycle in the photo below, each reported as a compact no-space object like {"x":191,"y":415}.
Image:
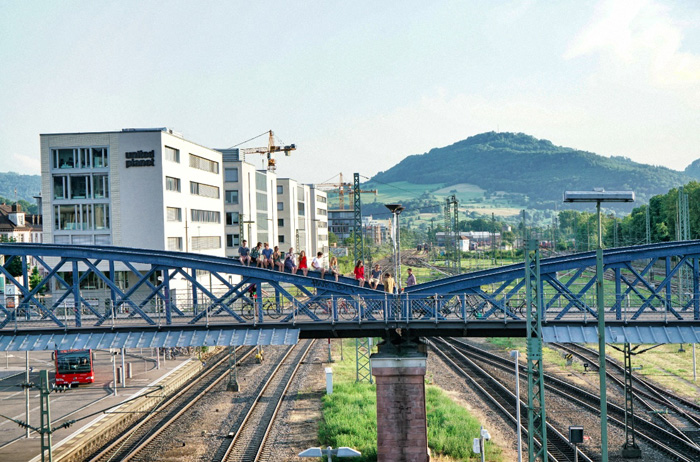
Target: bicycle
{"x":248,"y":310}
{"x":345,"y":310}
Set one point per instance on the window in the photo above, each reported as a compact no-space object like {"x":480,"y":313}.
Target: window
{"x":280,"y":206}
{"x":174,"y":243}
{"x":81,"y":217}
{"x":172,"y":184}
{"x":206,"y":242}
{"x":63,"y":158}
{"x":321,"y":199}
{"x":205,"y":216}
{"x":80,"y":187}
{"x":60,"y":187}
{"x":231,"y":174}
{"x":99,"y":158}
{"x":280,"y":222}
{"x":204,"y":164}
{"x":101,"y":216}
{"x":261,"y":201}
{"x":260,"y":181}
{"x":232,"y":240}
{"x":232,"y":196}
{"x":322,"y":224}
{"x":321,"y":212}
{"x":280,"y":189}
{"x":232,"y":218}
{"x":172,"y":154}
{"x":174,"y":214}
{"x":281,"y":239}
{"x":302,"y":211}
{"x":100,"y":186}
{"x":205,"y":190}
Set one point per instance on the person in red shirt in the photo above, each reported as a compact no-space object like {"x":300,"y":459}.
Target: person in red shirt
{"x":302,"y":263}
{"x":360,"y":273}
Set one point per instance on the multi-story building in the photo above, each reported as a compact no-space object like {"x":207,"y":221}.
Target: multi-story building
{"x":149,"y":188}
{"x":319,"y":219}
{"x":341,"y":223}
{"x":17,"y":225}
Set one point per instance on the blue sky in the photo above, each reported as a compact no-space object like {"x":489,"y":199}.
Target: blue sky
{"x":358,"y":85}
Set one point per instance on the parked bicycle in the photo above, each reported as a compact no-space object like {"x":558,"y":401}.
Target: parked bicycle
{"x":345,"y":309}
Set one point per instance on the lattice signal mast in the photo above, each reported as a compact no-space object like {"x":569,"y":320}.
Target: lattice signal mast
{"x":269,"y":150}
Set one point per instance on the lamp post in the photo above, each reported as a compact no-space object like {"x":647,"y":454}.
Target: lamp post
{"x":598,"y":196}
{"x":329,"y":451}
{"x":396,"y":209}
{"x":515,"y":354}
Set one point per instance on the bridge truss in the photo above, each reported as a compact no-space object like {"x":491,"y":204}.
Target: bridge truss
{"x":86,"y":288}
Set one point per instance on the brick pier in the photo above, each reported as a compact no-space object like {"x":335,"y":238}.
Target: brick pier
{"x":402,"y":434}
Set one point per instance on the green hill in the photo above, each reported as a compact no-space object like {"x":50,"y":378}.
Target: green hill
{"x":27,"y":186}
{"x":535,"y":170}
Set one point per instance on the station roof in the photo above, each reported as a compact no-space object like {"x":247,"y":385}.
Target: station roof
{"x":622,"y":334}
{"x":147,"y":339}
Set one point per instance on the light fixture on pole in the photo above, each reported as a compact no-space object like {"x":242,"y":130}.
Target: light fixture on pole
{"x":598,"y":196}
{"x":515,"y":354}
{"x":329,"y":451}
{"x":396,"y":209}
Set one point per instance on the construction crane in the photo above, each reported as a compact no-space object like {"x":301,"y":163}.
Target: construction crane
{"x":268,"y":150}
{"x":342,"y":188}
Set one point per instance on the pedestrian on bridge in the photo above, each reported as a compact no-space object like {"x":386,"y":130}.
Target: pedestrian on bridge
{"x":333,"y":269}
{"x":302,"y":263}
{"x":289,"y":264}
{"x":388,"y":282}
{"x":317,"y":264}
{"x":411,"y":280}
{"x":360,"y":273}
{"x":255,"y":256}
{"x":376,"y":277}
{"x":244,"y":253}
{"x":267,"y":257}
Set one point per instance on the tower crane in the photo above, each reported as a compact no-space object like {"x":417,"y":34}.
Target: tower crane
{"x":342,"y":188}
{"x":269,"y":150}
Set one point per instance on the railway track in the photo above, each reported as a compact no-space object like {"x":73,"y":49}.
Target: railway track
{"x":652,"y":397}
{"x":675,"y":447}
{"x":136,"y":440}
{"x":558,"y":448}
{"x":248,"y":442}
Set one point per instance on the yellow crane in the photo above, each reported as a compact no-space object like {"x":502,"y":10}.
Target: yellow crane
{"x":269,"y":150}
{"x":342,"y":188}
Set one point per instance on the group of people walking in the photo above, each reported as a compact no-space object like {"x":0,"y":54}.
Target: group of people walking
{"x":263,"y":256}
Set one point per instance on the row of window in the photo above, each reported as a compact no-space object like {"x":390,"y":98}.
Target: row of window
{"x":204,"y":190}
{"x":83,"y":239}
{"x":96,"y":157}
{"x":94,"y":186}
{"x":205,"y":216}
{"x":82,"y":217}
{"x":202,"y":163}
{"x":198,"y":243}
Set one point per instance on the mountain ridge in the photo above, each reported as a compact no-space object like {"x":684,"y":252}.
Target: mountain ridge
{"x":536,"y":168}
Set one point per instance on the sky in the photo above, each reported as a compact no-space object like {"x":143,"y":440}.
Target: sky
{"x":357,"y":86}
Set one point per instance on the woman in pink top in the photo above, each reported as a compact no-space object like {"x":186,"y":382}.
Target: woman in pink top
{"x":302,"y":263}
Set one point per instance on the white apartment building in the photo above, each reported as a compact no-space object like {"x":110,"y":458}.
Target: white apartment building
{"x":250,"y":201}
{"x":301,"y":217}
{"x":146,"y":188}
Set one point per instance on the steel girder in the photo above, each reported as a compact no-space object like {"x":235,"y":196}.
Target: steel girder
{"x":175,"y":288}
{"x":644,"y":285}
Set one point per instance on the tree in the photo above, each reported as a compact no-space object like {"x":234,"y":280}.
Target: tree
{"x":34,"y":280}
{"x":14,"y":267}
{"x":332,"y":238}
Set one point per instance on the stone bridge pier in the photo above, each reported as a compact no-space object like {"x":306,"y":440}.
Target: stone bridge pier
{"x":399,"y":370}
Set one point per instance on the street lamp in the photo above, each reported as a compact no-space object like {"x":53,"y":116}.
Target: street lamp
{"x":396,"y":209}
{"x":598,"y":196}
{"x":515,"y":354}
{"x":329,"y":451}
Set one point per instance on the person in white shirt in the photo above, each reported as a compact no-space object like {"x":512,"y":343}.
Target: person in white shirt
{"x":317,"y":264}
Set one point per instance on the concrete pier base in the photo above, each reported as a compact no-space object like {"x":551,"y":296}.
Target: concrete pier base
{"x":402,"y":433}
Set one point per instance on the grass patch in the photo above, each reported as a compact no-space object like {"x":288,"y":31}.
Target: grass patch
{"x":350,"y":417}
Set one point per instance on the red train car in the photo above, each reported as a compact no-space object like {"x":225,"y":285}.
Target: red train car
{"x":74,"y":367}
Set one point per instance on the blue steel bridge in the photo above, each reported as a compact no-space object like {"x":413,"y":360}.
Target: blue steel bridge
{"x":102,"y":297}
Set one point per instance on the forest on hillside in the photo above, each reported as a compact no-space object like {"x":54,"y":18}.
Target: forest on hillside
{"x":519,"y":163}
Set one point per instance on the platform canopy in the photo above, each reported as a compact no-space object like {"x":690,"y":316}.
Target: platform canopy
{"x":146,"y":339}
{"x":622,"y":334}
